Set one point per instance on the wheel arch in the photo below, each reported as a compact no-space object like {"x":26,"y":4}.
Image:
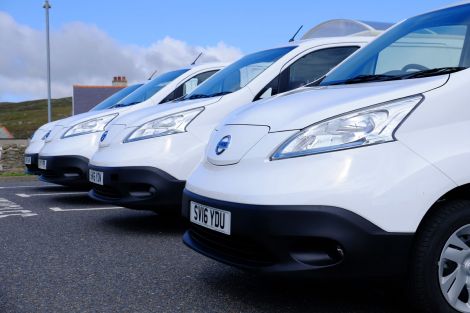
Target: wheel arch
{"x":461,"y":192}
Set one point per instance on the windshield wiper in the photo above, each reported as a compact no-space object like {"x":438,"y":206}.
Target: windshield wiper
{"x":197,"y":96}
{"x":316,"y":82}
{"x":433,"y":72}
{"x":365,"y":79}
{"x":218,"y":94}
{"x":200,"y":96}
{"x":120,"y":105}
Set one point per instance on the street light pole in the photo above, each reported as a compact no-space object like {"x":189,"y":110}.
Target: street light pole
{"x":46,"y":6}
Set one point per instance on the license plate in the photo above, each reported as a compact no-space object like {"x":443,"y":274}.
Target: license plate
{"x":211,"y":218}
{"x":42,"y":164}
{"x":27,"y":160}
{"x":96,"y":177}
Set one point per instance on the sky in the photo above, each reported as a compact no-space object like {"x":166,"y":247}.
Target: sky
{"x":94,"y":40}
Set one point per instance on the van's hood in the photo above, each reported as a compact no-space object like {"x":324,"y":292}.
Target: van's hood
{"x":143,"y":116}
{"x":299,"y":109}
{"x":82,"y":117}
{"x":48,"y":126}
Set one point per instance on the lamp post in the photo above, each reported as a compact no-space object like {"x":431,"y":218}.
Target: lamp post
{"x":47,"y":6}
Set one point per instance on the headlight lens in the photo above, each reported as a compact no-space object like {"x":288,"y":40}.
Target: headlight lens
{"x":365,"y":127}
{"x":167,"y":125}
{"x":91,"y":126}
{"x":46,"y":135}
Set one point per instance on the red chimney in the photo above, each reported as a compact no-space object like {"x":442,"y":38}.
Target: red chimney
{"x":120,"y":81}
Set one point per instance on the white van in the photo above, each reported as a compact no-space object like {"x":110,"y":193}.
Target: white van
{"x":37,"y":140}
{"x":362,"y":175}
{"x":147,"y":156}
{"x":71,"y":143}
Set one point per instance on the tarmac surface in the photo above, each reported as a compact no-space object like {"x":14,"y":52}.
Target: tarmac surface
{"x":63,"y":252}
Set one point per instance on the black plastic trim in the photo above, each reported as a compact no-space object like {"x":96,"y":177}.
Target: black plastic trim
{"x":58,"y":166}
{"x":120,"y":181}
{"x":32,"y":169}
{"x":324,"y":241}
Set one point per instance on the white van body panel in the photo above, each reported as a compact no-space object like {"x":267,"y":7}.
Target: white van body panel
{"x":36,"y":143}
{"x":179,"y":154}
{"x":410,"y":167}
{"x":86,"y":145}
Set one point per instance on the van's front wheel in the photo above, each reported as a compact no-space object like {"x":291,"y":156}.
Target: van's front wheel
{"x":440,"y":269}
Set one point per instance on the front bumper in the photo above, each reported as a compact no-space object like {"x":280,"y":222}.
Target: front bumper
{"x":66,"y":170}
{"x":141,"y":188}
{"x":32,"y":169}
{"x":320,"y":240}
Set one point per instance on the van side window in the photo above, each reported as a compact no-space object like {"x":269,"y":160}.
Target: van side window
{"x":305,"y":70}
{"x":188,"y":86}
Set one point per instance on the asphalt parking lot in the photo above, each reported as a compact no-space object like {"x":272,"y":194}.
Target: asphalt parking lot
{"x":62,"y":252}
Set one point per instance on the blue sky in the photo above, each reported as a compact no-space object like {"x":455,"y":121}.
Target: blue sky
{"x":249,"y":25}
{"x":94,"y":40}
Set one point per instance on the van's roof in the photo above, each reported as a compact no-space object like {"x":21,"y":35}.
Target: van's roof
{"x":207,"y":65}
{"x":455,"y":4}
{"x":346,"y":27}
{"x":447,"y":6}
{"x":325,"y":41}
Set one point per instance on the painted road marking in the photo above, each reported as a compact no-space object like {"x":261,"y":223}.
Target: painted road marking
{"x":57,"y":209}
{"x":9,"y":208}
{"x":18,"y":187}
{"x":24,"y":195}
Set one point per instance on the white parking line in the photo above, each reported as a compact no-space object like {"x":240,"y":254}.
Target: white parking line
{"x":57,"y":209}
{"x":18,"y":187}
{"x":24,"y":195}
{"x":9,"y":208}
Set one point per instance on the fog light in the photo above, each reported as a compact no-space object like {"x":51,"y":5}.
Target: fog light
{"x":317,"y":251}
{"x":69,"y":175}
{"x":140,"y":194}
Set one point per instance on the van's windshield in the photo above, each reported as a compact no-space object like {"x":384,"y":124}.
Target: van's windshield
{"x":238,"y":74}
{"x":150,"y":88}
{"x":113,"y":99}
{"x":431,"y":44}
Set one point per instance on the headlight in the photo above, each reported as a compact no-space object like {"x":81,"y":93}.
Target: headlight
{"x":46,"y":135}
{"x":167,"y":125}
{"x":372,"y":125}
{"x":91,"y":126}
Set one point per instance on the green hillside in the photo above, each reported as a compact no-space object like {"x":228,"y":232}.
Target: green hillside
{"x":23,"y":118}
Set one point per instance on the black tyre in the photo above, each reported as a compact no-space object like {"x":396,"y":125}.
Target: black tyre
{"x":440,"y":266}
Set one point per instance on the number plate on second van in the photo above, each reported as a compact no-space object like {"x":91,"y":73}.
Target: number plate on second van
{"x":211,"y":218}
{"x":42,"y":164}
{"x":96,"y":177}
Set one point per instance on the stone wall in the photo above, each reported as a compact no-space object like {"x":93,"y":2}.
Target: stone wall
{"x":12,"y":156}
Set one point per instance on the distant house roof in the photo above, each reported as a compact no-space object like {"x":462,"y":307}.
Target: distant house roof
{"x":4,"y":133}
{"x":86,"y":97}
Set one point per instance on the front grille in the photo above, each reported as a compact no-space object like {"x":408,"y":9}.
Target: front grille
{"x":107,"y":192}
{"x":236,"y":249}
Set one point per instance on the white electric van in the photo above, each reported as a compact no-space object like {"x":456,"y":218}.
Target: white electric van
{"x":365,"y":174}
{"x":146,"y":157}
{"x":71,"y":143}
{"x":37,"y":140}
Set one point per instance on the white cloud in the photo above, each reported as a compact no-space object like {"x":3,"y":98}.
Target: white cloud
{"x":83,"y":54}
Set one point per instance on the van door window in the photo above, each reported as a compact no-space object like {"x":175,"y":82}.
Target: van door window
{"x":305,"y":70}
{"x":188,"y":86}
